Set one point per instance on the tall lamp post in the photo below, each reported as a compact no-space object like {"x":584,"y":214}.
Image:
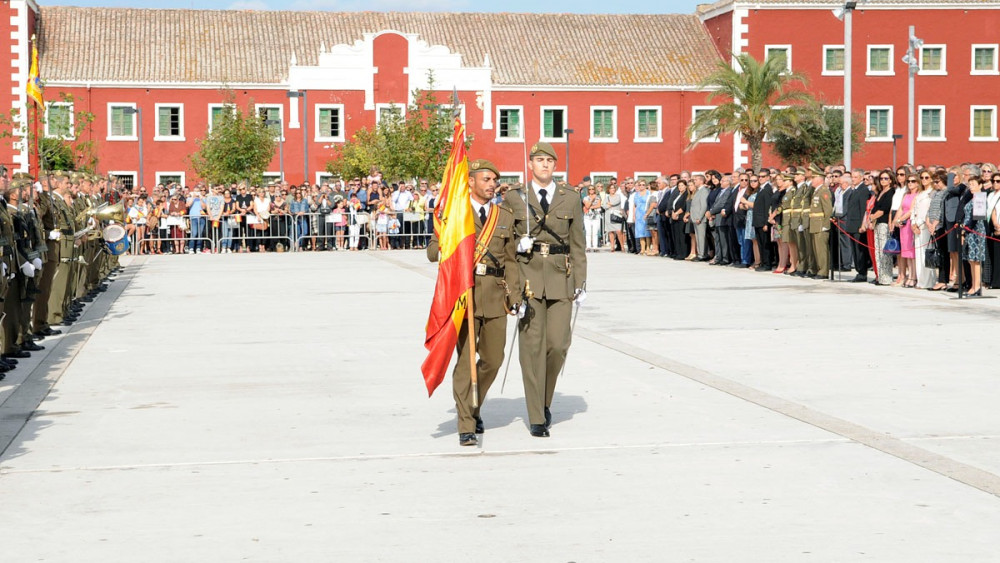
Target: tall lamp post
{"x":134,"y":111}
{"x":913,"y":67}
{"x":845,"y":13}
{"x":281,"y":143}
{"x":895,"y":137}
{"x":305,"y":134}
{"x":568,"y":132}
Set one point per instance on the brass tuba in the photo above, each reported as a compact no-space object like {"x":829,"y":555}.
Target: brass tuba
{"x":114,"y":212}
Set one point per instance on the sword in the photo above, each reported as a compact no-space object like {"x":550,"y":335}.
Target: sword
{"x":513,"y":343}
{"x":572,"y":328}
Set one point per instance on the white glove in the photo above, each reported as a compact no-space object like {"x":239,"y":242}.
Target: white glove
{"x":579,"y":297}
{"x":524,"y":245}
{"x":28,"y":270}
{"x":55,"y":234}
{"x":522,"y":310}
{"x":3,"y":269}
{"x":801,"y":228}
{"x":37,"y":263}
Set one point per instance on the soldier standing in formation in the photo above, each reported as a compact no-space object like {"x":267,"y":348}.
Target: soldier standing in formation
{"x":494,"y":296}
{"x":552,"y":256}
{"x":820,"y":216}
{"x":804,"y":192}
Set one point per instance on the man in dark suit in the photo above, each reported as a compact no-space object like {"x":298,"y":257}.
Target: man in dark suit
{"x":855,"y":207}
{"x":720,"y":214}
{"x":761,"y":212}
{"x":665,"y":192}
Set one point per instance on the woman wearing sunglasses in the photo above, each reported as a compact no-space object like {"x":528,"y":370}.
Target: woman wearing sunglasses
{"x":885,"y":187}
{"x":926,"y":277}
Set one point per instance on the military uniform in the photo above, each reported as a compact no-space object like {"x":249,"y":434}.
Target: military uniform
{"x":820,"y":212}
{"x":801,"y":234}
{"x":497,"y":280}
{"x":787,"y":212}
{"x":554,"y":269}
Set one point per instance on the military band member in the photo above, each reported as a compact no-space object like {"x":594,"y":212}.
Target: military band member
{"x":495,"y":295}
{"x":820,"y":213}
{"x":802,"y":237}
{"x":553,"y":260}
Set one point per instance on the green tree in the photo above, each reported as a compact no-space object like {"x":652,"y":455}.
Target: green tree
{"x":239,"y":147}
{"x":414,"y":146}
{"x":823,"y":145}
{"x":756,"y":100}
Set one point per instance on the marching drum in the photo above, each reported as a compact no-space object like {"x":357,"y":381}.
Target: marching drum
{"x":116,"y":239}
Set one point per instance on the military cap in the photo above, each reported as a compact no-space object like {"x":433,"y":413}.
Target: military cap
{"x":60,"y":173}
{"x":483,"y":164}
{"x":21,"y":183}
{"x":21,"y":176}
{"x":799,"y":170}
{"x":542,"y":148}
{"x":77,"y":177}
{"x":787,"y":176}
{"x":816,"y":170}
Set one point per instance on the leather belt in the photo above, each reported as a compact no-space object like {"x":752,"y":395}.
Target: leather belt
{"x":545,"y":248}
{"x":484,"y":270}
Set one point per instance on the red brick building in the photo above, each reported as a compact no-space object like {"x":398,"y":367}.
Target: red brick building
{"x":624,"y":85}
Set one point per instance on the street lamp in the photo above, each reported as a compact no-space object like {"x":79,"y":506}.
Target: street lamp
{"x":281,"y":143}
{"x":568,"y":132}
{"x":895,"y":137}
{"x":305,"y":134}
{"x":913,"y":67}
{"x":844,"y":13}
{"x":134,"y":111}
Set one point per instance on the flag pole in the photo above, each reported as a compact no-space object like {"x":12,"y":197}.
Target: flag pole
{"x":472,"y":352}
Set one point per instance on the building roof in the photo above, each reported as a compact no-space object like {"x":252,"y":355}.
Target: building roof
{"x":255,"y":47}
{"x":720,"y":4}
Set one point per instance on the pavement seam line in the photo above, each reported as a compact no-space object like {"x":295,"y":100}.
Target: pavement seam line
{"x":963,"y":473}
{"x":38,"y":384}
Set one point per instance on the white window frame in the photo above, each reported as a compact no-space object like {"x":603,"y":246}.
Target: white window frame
{"x":993,"y":125}
{"x":519,"y":139}
{"x":944,"y":60}
{"x":636,"y":175}
{"x":160,"y":173}
{"x":972,"y":63}
{"x":72,"y":121}
{"x":380,"y":107}
{"x":892,"y":61}
{"x":134,"y":174}
{"x":541,"y":124}
{"x":826,"y":71}
{"x":868,"y":125}
{"x":920,"y":125}
{"x":614,"y":124}
{"x":329,"y":178}
{"x":694,"y":112}
{"x":594,"y":175}
{"x":343,"y":121}
{"x":559,"y":176}
{"x":520,"y":176}
{"x":214,"y":106}
{"x":659,"y":125}
{"x":281,"y":117}
{"x":788,"y":56}
{"x":135,"y":117}
{"x":269,"y":177}
{"x":156,"y":122}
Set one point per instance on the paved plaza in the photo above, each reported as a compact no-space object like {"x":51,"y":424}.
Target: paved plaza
{"x":271,"y":408}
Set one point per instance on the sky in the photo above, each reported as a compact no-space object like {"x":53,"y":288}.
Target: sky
{"x":552,"y":6}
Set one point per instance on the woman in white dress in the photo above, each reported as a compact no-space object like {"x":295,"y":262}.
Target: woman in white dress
{"x":926,"y":277}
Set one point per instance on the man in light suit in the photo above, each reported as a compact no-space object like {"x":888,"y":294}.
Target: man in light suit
{"x":699,"y":206}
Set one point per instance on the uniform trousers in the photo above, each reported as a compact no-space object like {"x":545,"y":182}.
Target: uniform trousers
{"x":804,"y":243}
{"x":544,"y":335}
{"x":40,"y":314}
{"x":491,"y":336}
{"x":821,"y":253}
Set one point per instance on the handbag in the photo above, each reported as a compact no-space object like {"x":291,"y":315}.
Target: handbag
{"x":891,"y":246}
{"x":617,"y":218}
{"x":931,"y":258}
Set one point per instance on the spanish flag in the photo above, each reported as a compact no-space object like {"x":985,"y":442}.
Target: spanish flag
{"x":456,"y":230}
{"x":34,"y":86}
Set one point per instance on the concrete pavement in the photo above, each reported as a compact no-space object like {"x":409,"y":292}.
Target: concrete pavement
{"x":270,"y":408}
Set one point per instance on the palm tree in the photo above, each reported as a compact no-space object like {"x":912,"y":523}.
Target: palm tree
{"x":759,"y":101}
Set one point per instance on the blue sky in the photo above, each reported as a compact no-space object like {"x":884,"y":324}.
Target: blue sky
{"x":576,"y":6}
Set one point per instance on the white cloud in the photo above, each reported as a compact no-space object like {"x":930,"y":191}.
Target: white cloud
{"x":248,"y":5}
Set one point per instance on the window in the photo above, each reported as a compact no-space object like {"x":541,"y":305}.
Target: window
{"x":121,"y":123}
{"x":558,"y":176}
{"x":271,"y":178}
{"x":59,"y":120}
{"x":931,"y":123}
{"x":833,"y":60}
{"x":554,"y":124}
{"x":215,"y":113}
{"x":603,"y":124}
{"x":779,"y":51}
{"x":695,"y":112}
{"x":330,"y":122}
{"x":127,"y":179}
{"x":879,"y":123}
{"x":509,"y":123}
{"x":603,"y":178}
{"x":648,"y":124}
{"x":170,"y":178}
{"x":385,"y":111}
{"x":169,"y":122}
{"x":880,"y":60}
{"x":933,"y":59}
{"x":984,"y":59}
{"x":648,"y":177}
{"x":324,"y":178}
{"x":272,"y":114}
{"x":984,"y":123}
{"x":510,"y":178}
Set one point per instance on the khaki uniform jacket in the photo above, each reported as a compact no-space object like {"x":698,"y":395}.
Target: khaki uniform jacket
{"x":821,"y":210}
{"x":786,"y":212}
{"x":493,"y":296}
{"x":556,"y":276}
{"x":805,"y":200}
